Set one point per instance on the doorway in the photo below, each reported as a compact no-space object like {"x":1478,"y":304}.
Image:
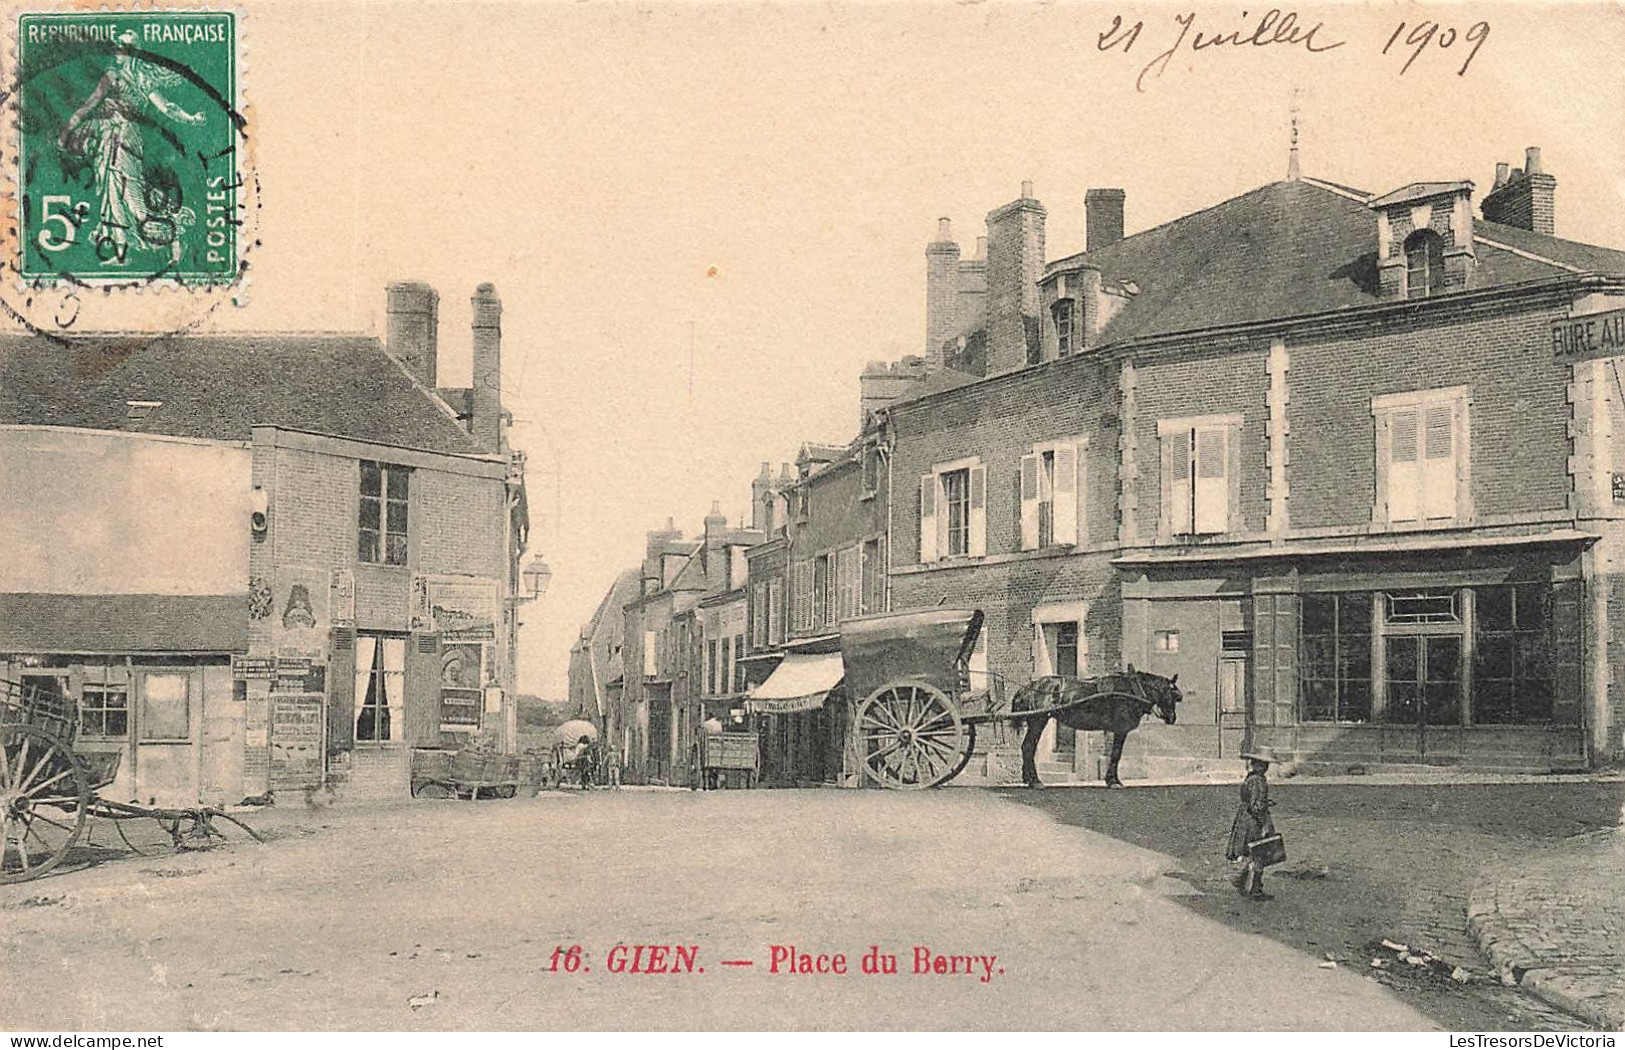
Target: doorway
{"x":1424,"y":687}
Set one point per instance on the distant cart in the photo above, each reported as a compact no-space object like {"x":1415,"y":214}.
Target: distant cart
{"x":48,"y":789}
{"x":726,"y":758}
{"x":469,"y":772}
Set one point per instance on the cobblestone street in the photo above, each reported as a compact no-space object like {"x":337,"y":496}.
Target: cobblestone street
{"x":1555,"y":920}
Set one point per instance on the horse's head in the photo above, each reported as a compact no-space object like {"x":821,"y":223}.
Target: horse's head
{"x":1163,"y":693}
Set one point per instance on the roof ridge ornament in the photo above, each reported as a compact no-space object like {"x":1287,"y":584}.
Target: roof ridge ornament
{"x":1292,"y":172}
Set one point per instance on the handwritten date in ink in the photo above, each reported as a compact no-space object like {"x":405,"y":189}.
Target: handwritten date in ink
{"x":1428,"y":33}
{"x":1276,"y":29}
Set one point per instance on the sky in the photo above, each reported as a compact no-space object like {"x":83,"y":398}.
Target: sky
{"x":703,"y":219}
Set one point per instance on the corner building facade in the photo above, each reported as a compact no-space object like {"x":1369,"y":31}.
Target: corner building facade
{"x":1348,"y":465}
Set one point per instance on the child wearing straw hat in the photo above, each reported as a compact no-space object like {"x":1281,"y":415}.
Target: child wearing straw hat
{"x":1252,"y":822}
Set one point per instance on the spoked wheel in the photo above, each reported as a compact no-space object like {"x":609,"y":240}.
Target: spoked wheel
{"x":44,"y":796}
{"x":965,"y":752}
{"x":910,"y":736}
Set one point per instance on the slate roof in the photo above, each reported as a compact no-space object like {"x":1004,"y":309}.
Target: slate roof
{"x":124,"y":623}
{"x":219,"y":386}
{"x":1287,"y":249}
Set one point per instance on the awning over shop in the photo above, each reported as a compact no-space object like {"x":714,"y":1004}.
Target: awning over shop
{"x":799,"y":683}
{"x":123,"y":623}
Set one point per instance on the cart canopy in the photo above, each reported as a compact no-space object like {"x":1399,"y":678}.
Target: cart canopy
{"x":799,"y":683}
{"x":572,"y":731}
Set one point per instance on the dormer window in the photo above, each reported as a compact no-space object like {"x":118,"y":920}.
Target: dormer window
{"x":1062,"y":311}
{"x":1424,"y":264}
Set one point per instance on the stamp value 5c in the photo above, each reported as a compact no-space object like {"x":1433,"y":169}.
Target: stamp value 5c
{"x":128,"y":166}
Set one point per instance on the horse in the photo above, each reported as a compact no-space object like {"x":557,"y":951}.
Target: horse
{"x":1113,"y":702}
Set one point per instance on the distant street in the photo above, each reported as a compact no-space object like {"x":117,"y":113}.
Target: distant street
{"x":353,"y":914}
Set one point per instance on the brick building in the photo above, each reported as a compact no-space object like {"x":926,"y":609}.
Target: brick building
{"x":263,"y":561}
{"x":825,"y":562}
{"x":683,"y":635}
{"x":1343,"y":462}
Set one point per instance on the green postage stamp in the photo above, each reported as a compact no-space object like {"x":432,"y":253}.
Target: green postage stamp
{"x":128,"y":151}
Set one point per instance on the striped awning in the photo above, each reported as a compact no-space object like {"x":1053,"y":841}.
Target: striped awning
{"x":799,"y":683}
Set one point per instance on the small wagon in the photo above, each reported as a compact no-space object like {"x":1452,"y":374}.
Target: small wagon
{"x":468,"y":772}
{"x":725,"y":757}
{"x":48,"y":790}
{"x":917,"y":706}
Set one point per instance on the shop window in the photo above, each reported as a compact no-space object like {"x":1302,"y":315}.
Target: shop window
{"x":1410,"y":607}
{"x":166,"y":710}
{"x":1335,"y":657}
{"x":380,"y":687}
{"x":381,"y":537}
{"x":1513,"y":659}
{"x":104,"y":703}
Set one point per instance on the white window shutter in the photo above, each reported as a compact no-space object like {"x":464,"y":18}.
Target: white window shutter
{"x":1404,"y":466}
{"x":1212,"y":480}
{"x":1065,"y":497}
{"x":978,"y":511}
{"x":1439,"y":448}
{"x":928,"y":517}
{"x":1179,"y":482}
{"x":1029,"y":502}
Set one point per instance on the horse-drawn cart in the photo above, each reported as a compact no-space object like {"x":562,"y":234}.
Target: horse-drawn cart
{"x":48,"y":789}
{"x":728,"y":759}
{"x":918,"y":703}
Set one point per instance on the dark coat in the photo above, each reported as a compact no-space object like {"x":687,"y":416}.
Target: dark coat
{"x":1252,"y":816}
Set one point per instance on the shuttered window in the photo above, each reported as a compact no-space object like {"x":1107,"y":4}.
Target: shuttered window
{"x":953,"y":513}
{"x":1052,"y":496}
{"x":1421,"y":456}
{"x":1199,"y":459}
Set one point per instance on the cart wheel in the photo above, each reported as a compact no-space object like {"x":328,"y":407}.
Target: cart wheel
{"x":965,"y":753}
{"x":44,"y":796}
{"x":910,"y":736}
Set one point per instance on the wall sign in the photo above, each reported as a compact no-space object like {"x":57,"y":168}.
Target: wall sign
{"x":1589,"y":336}
{"x":296,"y":740}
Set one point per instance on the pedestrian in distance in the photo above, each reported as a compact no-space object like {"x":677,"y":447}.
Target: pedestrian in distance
{"x":1252,"y":824}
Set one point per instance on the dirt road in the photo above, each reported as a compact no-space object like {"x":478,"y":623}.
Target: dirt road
{"x":445,"y":915}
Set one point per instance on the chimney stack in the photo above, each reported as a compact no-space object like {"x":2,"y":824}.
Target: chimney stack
{"x":761,"y":499}
{"x":1525,"y":198}
{"x":1104,"y":211}
{"x":486,"y":425}
{"x":412,"y":328}
{"x":941,"y":293}
{"x":1015,"y":262}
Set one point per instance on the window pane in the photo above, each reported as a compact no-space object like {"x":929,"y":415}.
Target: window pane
{"x":1356,"y":705}
{"x":397,"y":549}
{"x":367,"y":546}
{"x":370,"y":512}
{"x":1494,"y":608}
{"x":371,"y":479}
{"x":1319,"y":613}
{"x":1319,"y":700}
{"x":1354,"y":614}
{"x":1494,"y":655}
{"x":397,"y":516}
{"x":397,"y":482}
{"x":165,"y":713}
{"x":1534,"y":603}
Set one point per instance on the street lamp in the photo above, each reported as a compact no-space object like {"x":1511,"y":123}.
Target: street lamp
{"x":536,"y":576}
